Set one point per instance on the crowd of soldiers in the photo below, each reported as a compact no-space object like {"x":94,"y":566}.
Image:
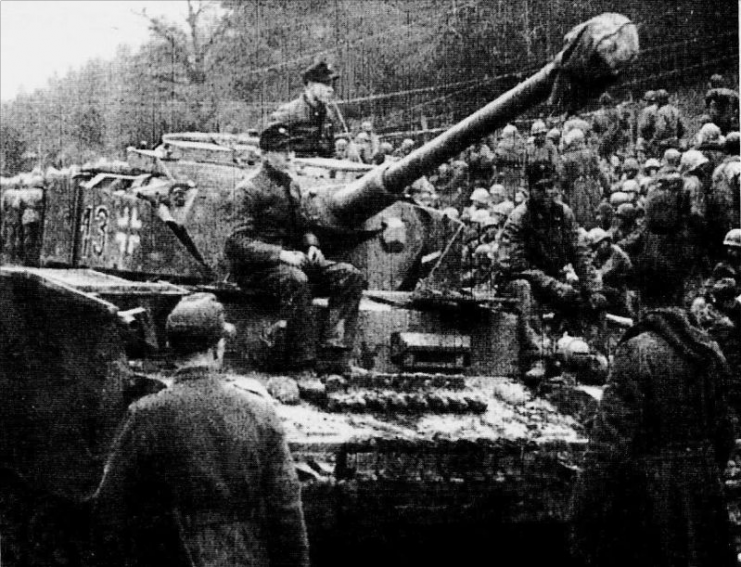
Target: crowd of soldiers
{"x":604,"y":170}
{"x":586,"y":215}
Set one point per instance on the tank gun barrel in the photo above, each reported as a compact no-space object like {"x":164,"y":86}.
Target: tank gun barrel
{"x":595,"y":53}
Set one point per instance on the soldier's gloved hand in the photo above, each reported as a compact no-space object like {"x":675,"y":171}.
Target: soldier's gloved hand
{"x":293,"y":258}
{"x":597,"y":301}
{"x":315,"y":255}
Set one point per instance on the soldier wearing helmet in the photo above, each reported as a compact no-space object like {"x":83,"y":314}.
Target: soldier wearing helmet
{"x":604,"y":215}
{"x":307,"y":117}
{"x":627,"y":232}
{"x":668,"y":127}
{"x":480,"y":162}
{"x":614,"y":268}
{"x":609,"y":126}
{"x":722,"y":105}
{"x":538,"y":240}
{"x":540,"y":148}
{"x":582,"y":180}
{"x":554,"y":135}
{"x":651,"y":166}
{"x":670,"y":161}
{"x":405,"y":148}
{"x":364,"y":147}
{"x":497,"y":193}
{"x":718,"y":306}
{"x":711,"y":143}
{"x":375,"y":142}
{"x":480,"y":201}
{"x":340,"y":148}
{"x":730,"y":266}
{"x":646,"y":123}
{"x":509,"y":159}
{"x":629,"y":170}
{"x":724,"y":199}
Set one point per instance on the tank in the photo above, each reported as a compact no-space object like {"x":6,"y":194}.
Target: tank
{"x":435,"y":437}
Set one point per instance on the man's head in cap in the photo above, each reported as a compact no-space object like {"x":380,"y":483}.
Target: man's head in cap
{"x":197,"y":327}
{"x":319,"y":80}
{"x":276,"y":143}
{"x":541,"y":177}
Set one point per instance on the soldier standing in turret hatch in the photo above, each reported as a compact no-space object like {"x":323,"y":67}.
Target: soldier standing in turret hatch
{"x":306,"y":117}
{"x":271,"y":248}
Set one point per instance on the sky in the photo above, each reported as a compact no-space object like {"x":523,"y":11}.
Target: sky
{"x":39,"y":38}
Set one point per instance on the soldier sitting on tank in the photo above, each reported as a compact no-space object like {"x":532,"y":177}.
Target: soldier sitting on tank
{"x":272,"y":249}
{"x":306,"y":117}
{"x":538,"y":240}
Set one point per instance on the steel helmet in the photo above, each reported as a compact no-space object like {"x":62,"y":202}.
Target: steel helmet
{"x":662,"y":96}
{"x":650,"y":96}
{"x":572,"y":349}
{"x":362,"y":137}
{"x":626,"y":211}
{"x":631,"y":164}
{"x":733,"y":238}
{"x":479,"y":216}
{"x":573,"y":137}
{"x":490,"y":221}
{"x":505,"y":209}
{"x":631,"y":186}
{"x":618,"y":198}
{"x":672,"y":157}
{"x":554,"y":134}
{"x":709,"y":133}
{"x":498,"y":189}
{"x":509,"y":131}
{"x":480,"y":195}
{"x":691,"y":160}
{"x":652,"y":163}
{"x":538,"y":127}
{"x":597,"y":235}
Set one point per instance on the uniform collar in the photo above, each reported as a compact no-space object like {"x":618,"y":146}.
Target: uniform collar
{"x":277,"y":176}
{"x":188,"y":373}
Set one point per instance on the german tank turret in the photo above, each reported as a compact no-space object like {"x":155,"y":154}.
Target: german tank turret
{"x":427,"y":436}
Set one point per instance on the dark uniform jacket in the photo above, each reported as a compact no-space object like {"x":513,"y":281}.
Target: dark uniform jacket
{"x":308,"y":122}
{"x":201,"y":475}
{"x":651,"y":493}
{"x":268,"y":218}
{"x":545,"y":240}
{"x":544,"y":152}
